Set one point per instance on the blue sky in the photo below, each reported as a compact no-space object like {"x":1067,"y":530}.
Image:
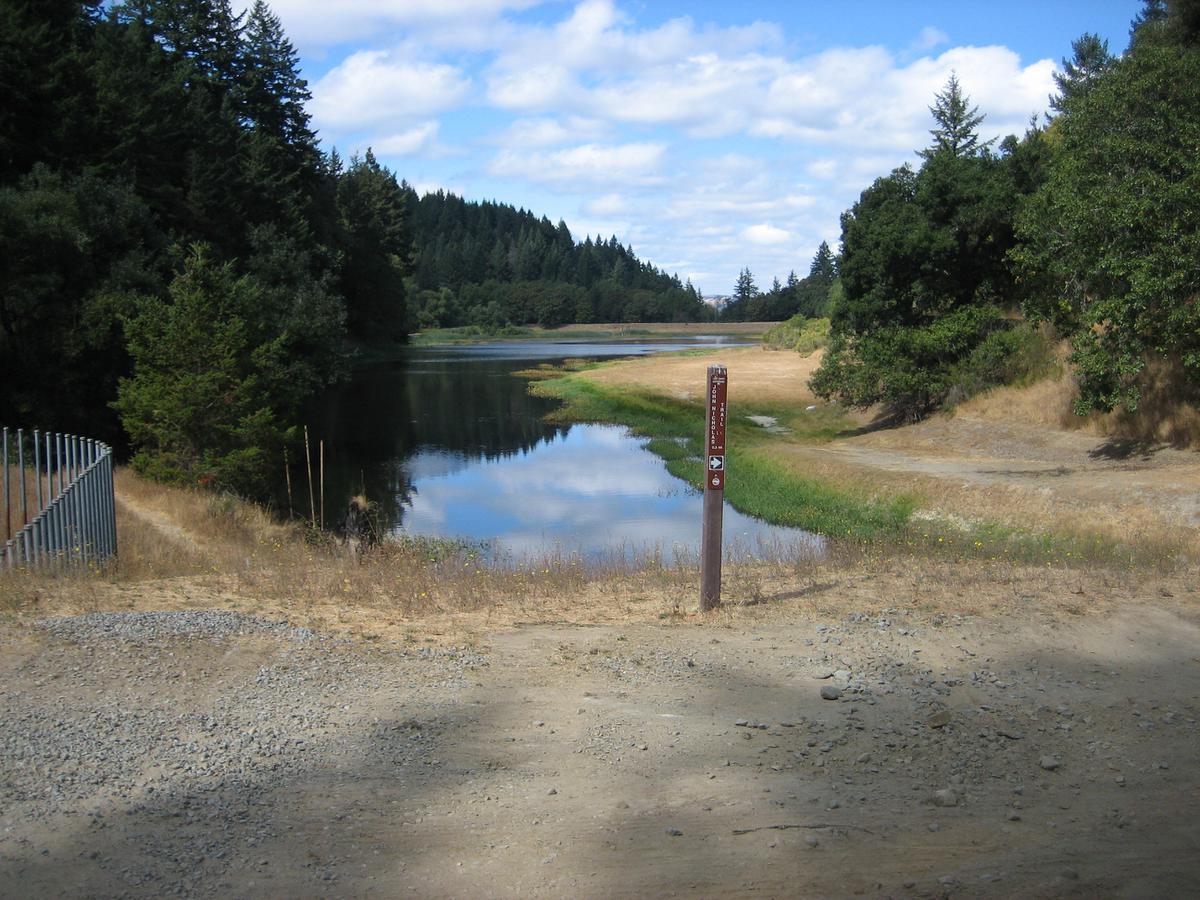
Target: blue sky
{"x":709,"y":136}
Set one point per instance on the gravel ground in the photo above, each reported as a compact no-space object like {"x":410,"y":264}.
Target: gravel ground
{"x":215,"y":754}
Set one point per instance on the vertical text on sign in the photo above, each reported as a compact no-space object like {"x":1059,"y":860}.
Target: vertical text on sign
{"x":718,"y":387}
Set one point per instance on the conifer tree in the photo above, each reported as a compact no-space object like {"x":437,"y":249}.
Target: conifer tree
{"x":957,"y":132}
{"x":1090,"y":60}
{"x":824,"y":266}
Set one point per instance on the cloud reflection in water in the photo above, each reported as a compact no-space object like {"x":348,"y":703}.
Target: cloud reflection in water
{"x":594,"y":491}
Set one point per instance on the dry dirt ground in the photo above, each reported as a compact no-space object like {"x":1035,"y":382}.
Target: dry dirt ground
{"x":1031,"y":754}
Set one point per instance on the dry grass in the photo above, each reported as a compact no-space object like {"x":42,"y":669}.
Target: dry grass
{"x":1169,"y":411}
{"x":1046,"y":402}
{"x":225,"y":554}
{"x":1102,"y":519}
{"x":183,"y":548}
{"x":755,"y":375}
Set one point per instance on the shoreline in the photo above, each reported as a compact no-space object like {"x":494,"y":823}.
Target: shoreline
{"x":851,"y":505}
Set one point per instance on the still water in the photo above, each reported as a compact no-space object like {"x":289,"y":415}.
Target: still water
{"x":449,"y":443}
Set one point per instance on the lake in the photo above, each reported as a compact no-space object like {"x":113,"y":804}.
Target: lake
{"x":449,"y":443}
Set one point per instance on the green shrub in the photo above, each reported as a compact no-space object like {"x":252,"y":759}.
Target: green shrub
{"x":798,"y":333}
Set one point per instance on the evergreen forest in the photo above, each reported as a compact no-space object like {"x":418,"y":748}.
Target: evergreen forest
{"x":182,"y":263}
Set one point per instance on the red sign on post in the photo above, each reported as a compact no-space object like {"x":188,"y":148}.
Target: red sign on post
{"x":718,"y":388}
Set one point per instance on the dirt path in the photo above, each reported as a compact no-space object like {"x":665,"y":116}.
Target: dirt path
{"x":159,"y":522}
{"x":1026,"y":756}
{"x":1073,"y":470}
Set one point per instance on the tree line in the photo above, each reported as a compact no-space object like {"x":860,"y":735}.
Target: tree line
{"x":810,"y":297}
{"x":1089,"y":224}
{"x":182,"y":264}
{"x":488,"y":264}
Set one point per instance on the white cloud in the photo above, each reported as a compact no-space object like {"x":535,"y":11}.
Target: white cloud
{"x":706,"y":93}
{"x":420,"y":140}
{"x":373,"y":88}
{"x":548,"y":132}
{"x":823,"y":169}
{"x":585,"y":165}
{"x":536,"y":88}
{"x":321,"y":23}
{"x":929,"y":38}
{"x":607,"y":205}
{"x":598,"y":37}
{"x":765,"y":233}
{"x":623,"y":128}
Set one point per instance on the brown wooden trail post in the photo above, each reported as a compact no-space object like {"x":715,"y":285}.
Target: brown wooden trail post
{"x":714,"y":488}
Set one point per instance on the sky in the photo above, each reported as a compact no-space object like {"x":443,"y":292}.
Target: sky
{"x":707,"y":136}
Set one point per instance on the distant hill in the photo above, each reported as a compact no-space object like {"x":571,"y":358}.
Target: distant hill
{"x":491,"y":264}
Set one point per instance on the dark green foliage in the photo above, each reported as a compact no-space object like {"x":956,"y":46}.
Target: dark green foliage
{"x":44,"y":108}
{"x":745,"y":290}
{"x":823,"y":268}
{"x":809,"y":298}
{"x":158,"y":124}
{"x":200,"y":404}
{"x":957,"y":131}
{"x":1150,"y":23}
{"x":375,"y":247}
{"x":131,"y":128}
{"x":1091,"y":59}
{"x":70,"y":251}
{"x":911,"y":368}
{"x":924,"y":271}
{"x":491,"y":264}
{"x":1111,"y":243}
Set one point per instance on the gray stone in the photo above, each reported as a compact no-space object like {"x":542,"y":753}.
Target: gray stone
{"x":831,"y":692}
{"x":945,"y":797}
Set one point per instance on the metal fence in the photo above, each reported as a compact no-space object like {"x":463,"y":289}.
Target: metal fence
{"x":59,"y":511}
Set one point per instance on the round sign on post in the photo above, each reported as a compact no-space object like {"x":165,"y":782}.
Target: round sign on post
{"x":714,"y":487}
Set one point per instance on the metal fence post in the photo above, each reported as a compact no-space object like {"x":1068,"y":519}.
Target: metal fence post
{"x":74,"y":524}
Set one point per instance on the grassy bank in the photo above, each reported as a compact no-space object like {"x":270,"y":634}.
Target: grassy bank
{"x":770,"y":481}
{"x":757,"y":486}
{"x":183,"y":548}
